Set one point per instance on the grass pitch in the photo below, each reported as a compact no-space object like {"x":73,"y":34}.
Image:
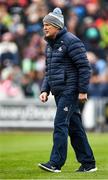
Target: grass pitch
{"x":21,"y":152}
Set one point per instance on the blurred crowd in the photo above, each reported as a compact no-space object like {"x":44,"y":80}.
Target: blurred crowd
{"x":22,"y":45}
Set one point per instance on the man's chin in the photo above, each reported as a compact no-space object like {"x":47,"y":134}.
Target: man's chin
{"x":47,"y":35}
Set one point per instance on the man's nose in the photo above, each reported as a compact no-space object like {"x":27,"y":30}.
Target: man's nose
{"x":44,"y":28}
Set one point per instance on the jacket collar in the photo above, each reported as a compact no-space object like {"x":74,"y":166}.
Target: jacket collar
{"x":61,"y":32}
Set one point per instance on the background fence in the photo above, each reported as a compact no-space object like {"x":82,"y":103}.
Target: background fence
{"x":30,"y":113}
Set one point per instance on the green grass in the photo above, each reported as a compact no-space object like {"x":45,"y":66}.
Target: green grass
{"x":21,"y":152}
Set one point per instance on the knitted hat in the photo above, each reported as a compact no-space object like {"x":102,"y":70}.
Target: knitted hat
{"x":55,"y":18}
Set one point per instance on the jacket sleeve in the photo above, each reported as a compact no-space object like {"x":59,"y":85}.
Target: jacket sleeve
{"x":45,"y":85}
{"x":77,"y":53}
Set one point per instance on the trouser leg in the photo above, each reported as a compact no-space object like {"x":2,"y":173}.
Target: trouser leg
{"x":60,"y":135}
{"x":79,"y":140}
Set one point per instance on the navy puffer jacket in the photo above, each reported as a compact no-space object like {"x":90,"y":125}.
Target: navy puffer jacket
{"x":67,"y":67}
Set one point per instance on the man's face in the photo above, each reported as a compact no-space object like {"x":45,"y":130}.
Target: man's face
{"x":50,"y":30}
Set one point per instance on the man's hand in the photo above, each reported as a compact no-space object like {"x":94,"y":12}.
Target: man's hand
{"x":82,"y":97}
{"x":43,"y":96}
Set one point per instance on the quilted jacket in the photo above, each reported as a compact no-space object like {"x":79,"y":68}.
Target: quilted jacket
{"x":67,"y":67}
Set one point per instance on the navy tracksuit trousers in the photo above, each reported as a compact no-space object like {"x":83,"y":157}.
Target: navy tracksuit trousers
{"x":68,"y":121}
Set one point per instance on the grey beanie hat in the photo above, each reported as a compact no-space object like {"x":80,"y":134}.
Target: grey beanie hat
{"x":55,"y":18}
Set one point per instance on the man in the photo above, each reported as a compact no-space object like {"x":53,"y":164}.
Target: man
{"x":67,"y":77}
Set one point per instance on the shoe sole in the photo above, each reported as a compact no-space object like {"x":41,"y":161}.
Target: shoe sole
{"x":91,"y":170}
{"x":48,"y":169}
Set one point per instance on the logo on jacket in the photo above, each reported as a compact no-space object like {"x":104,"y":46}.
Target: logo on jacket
{"x":60,"y":49}
{"x":65,"y":109}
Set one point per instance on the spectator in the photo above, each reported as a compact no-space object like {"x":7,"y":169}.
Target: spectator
{"x":5,"y":17}
{"x":8,"y":88}
{"x":9,"y":50}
